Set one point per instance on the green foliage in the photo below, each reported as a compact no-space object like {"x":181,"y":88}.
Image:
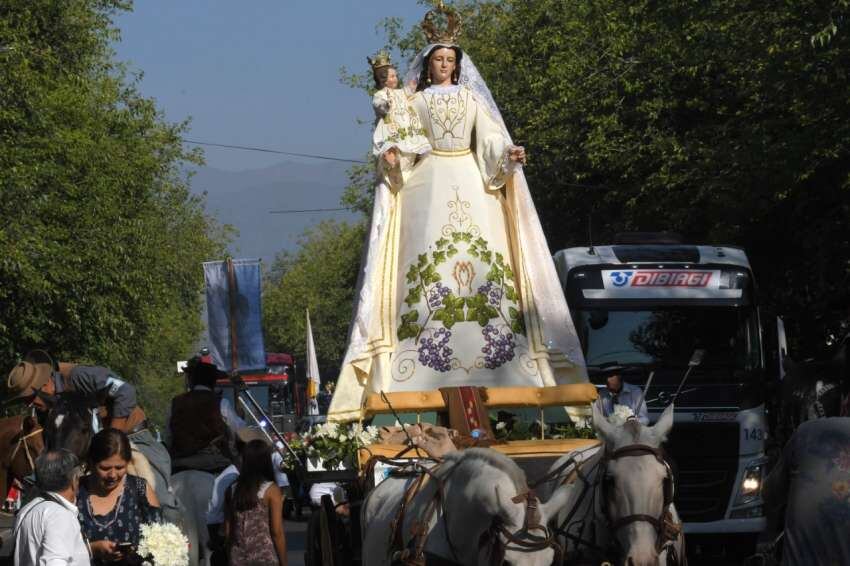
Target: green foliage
{"x":321,"y":276}
{"x":101,"y":243}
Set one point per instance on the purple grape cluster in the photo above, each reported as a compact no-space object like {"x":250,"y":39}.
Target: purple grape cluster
{"x":494,"y":294}
{"x":499,"y":348}
{"x":434,"y":351}
{"x":436,"y":294}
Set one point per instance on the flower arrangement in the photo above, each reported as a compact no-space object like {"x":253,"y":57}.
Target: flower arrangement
{"x":508,"y":427}
{"x":163,"y":544}
{"x":332,"y":444}
{"x":620,"y":415}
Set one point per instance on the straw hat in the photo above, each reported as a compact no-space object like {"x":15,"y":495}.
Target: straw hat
{"x":29,"y":375}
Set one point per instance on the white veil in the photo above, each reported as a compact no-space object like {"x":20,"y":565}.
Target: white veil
{"x":558,"y":331}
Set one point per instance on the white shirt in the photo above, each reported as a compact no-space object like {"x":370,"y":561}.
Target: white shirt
{"x":317,"y":490}
{"x":215,"y":508}
{"x":47,"y":533}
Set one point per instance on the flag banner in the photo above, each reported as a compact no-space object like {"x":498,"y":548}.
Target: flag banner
{"x":247,"y":315}
{"x":313,"y":380}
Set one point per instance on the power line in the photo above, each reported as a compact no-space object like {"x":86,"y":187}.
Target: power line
{"x":267,"y":150}
{"x":307,"y":210}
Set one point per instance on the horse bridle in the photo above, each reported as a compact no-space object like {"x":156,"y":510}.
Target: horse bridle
{"x":659,"y":523}
{"x":531,"y":522}
{"x":22,"y":442}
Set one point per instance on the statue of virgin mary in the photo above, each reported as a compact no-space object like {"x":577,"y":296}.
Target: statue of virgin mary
{"x":458,"y":286}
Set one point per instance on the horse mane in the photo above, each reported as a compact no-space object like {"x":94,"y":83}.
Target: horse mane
{"x":491,"y":458}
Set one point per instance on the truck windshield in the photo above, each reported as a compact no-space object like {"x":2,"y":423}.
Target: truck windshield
{"x":667,"y":337}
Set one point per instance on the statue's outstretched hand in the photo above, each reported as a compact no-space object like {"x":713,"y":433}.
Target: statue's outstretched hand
{"x":517,"y":154}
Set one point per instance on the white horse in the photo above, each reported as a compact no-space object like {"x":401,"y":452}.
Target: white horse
{"x":472,"y":508}
{"x":194,"y":490}
{"x":621,"y":496}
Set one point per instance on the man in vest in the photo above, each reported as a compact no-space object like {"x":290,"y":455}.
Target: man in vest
{"x":201,"y":424}
{"x":38,"y":379}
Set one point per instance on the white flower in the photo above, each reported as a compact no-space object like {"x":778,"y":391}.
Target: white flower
{"x":620,"y":415}
{"x":165,"y":543}
{"x":501,"y":425}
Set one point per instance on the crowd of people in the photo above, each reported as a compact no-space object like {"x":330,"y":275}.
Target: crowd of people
{"x":89,"y":509}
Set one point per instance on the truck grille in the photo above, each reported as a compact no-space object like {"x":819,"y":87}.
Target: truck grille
{"x":705,"y":462}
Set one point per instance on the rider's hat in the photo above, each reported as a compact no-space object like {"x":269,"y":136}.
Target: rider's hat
{"x":29,"y":375}
{"x":608,"y":369}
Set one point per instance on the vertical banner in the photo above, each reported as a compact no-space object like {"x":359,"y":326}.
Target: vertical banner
{"x":313,"y":379}
{"x":234,"y":315}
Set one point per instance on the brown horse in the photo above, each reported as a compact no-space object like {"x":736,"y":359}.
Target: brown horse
{"x":21,"y":441}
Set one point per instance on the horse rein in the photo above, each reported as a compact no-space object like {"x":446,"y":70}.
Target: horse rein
{"x":22,"y":442}
{"x":665,"y":530}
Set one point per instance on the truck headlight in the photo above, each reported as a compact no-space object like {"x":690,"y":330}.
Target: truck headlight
{"x":751,"y":484}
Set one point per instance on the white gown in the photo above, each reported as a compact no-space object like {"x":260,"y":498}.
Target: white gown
{"x":446,"y":298}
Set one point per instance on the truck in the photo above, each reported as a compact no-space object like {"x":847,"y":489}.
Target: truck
{"x":647,"y":304}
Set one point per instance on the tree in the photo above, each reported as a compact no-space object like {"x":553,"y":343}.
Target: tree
{"x":322,"y":276}
{"x":101,"y":242}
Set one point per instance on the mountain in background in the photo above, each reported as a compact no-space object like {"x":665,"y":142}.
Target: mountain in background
{"x":244,"y":200}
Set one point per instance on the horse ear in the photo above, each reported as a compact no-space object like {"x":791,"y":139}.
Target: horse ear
{"x":600,"y":423}
{"x":662,"y":427}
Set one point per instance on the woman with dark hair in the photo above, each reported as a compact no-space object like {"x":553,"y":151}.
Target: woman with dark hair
{"x":253,"y":519}
{"x":113,"y":504}
{"x":462,"y":289}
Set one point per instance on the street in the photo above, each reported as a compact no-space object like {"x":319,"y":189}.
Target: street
{"x":296,"y":540}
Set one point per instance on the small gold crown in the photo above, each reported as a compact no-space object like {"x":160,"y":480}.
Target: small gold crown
{"x":382,"y":59}
{"x":451,"y":31}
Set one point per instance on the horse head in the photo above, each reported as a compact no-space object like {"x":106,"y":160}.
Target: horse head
{"x":636,"y":485}
{"x":491,"y":515}
{"x":69,"y":425}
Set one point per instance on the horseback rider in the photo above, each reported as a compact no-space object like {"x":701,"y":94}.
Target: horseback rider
{"x":38,"y":379}
{"x":201,"y":424}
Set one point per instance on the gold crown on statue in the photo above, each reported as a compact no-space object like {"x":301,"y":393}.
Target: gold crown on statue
{"x":450,"y":32}
{"x":382,"y":59}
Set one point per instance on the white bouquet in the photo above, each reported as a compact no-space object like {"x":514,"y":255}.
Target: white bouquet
{"x":163,"y":544}
{"x":620,"y":415}
{"x":332,"y":446}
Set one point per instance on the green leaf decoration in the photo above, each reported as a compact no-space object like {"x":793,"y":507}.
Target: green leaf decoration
{"x":481,"y":243}
{"x":412,"y":274}
{"x":472,"y":313}
{"x":442,"y":243}
{"x":439,"y":257}
{"x":509,"y":273}
{"x":513,"y":312}
{"x":413,"y":296}
{"x":500,"y":259}
{"x":449,"y":320}
{"x":452,"y":251}
{"x":410,"y":316}
{"x":510,"y":293}
{"x":423,"y":260}
{"x":487,"y":256}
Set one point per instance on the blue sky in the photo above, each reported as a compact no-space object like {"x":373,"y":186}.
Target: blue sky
{"x":259,"y":72}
